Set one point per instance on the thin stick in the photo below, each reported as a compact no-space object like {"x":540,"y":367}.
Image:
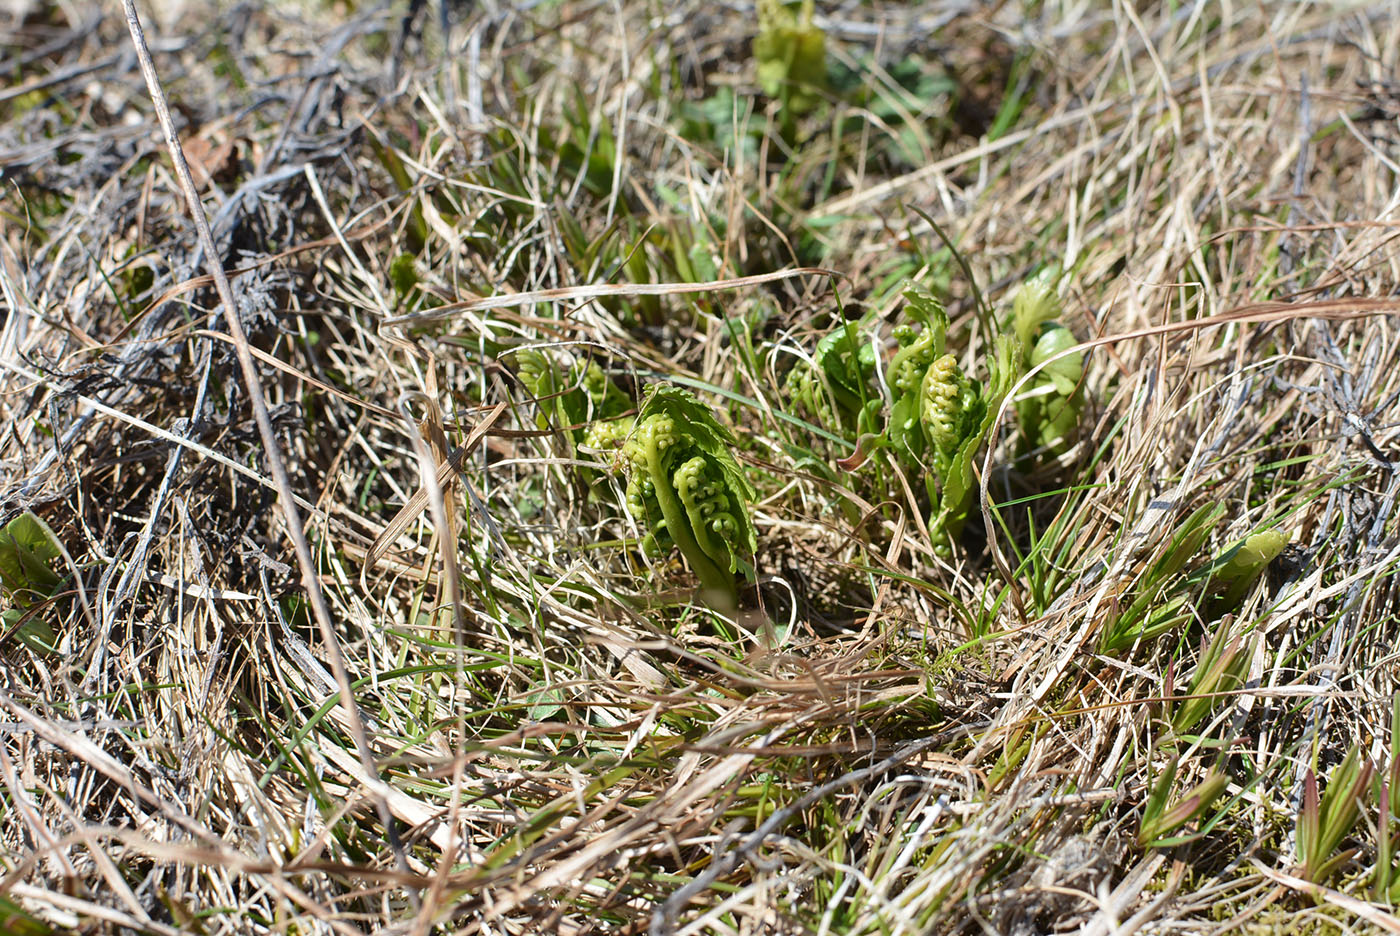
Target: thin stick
{"x":597,"y":291}
{"x":285,"y":496}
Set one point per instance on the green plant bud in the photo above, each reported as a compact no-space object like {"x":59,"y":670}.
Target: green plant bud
{"x":707,"y":506}
{"x":636,"y":500}
{"x":1244,"y":564}
{"x":608,"y":436}
{"x":943,"y":387}
{"x":1036,"y":303}
{"x":657,"y":431}
{"x":912,"y":360}
{"x":656,"y":544}
{"x":696,"y":490}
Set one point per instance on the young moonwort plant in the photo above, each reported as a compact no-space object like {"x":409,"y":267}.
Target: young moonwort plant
{"x":569,"y":394}
{"x":685,"y":487}
{"x":577,"y":402}
{"x":1049,"y":406}
{"x":835,"y":388}
{"x":939,"y":417}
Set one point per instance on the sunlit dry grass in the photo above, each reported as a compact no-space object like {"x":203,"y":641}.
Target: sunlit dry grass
{"x":885,"y":738}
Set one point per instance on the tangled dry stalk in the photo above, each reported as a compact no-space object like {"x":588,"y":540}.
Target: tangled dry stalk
{"x":507,"y":717}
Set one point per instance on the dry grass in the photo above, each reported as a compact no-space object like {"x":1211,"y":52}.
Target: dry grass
{"x":884,"y":739}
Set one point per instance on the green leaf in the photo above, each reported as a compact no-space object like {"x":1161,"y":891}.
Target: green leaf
{"x":1157,"y":797}
{"x":1050,"y":406}
{"x":32,"y":632}
{"x":836,"y":387}
{"x":1222,"y":668}
{"x":568,"y":393}
{"x":1150,"y":610}
{"x":1158,"y":820}
{"x":921,"y":305}
{"x":26,"y":549}
{"x":1328,"y":818}
{"x":544,"y":703}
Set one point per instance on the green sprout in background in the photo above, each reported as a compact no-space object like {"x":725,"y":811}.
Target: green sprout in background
{"x":791,"y":56}
{"x":569,"y":395}
{"x":1049,"y":406}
